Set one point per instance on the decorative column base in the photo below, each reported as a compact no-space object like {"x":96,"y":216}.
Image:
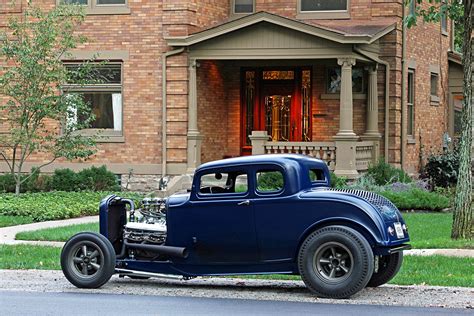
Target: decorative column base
{"x":194,"y":150}
{"x":375,"y":138}
{"x":258,"y":139}
{"x":346,"y":156}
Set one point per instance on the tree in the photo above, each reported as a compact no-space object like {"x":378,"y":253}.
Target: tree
{"x":38,"y":117}
{"x":462,"y":13}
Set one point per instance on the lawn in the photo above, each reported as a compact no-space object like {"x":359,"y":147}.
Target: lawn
{"x":7,"y":220}
{"x":433,"y":230}
{"x":432,"y":270}
{"x":58,"y":233}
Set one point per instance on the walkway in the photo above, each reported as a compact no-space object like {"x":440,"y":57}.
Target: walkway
{"x":7,"y":236}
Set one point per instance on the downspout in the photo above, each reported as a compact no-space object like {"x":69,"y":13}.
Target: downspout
{"x":387,"y":96}
{"x":163,"y":109}
{"x":404,"y":101}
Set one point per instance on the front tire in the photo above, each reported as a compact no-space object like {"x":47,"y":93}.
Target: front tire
{"x":388,"y":268}
{"x":335,"y":262}
{"x":88,"y":260}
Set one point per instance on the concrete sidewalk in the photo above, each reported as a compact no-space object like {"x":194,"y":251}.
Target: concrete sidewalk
{"x":7,"y":236}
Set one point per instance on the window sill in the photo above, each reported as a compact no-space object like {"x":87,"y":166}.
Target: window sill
{"x":103,"y":136}
{"x":337,"y":96}
{"x":434,"y":100}
{"x":445,"y":33}
{"x":108,"y":10}
{"x":324,"y":15}
{"x":411,"y":140}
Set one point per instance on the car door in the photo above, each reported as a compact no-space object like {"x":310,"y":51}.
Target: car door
{"x":221,"y":219}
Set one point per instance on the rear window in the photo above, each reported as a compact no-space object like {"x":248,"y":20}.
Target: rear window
{"x":269,"y":181}
{"x":316,"y":175}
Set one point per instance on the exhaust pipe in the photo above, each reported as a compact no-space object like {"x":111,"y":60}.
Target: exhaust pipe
{"x":127,"y":272}
{"x":179,"y":252}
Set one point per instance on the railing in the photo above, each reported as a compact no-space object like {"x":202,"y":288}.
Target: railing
{"x":325,"y":151}
{"x":365,"y":155}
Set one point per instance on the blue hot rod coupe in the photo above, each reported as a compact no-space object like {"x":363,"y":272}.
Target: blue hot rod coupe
{"x":269,"y":214}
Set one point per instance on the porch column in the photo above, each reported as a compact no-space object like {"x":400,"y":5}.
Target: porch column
{"x":258,"y":139}
{"x":346,"y":138}
{"x":372,"y":120}
{"x":194,"y":137}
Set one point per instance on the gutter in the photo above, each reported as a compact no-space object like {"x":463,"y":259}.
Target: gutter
{"x":403,"y":133}
{"x":387,"y":96}
{"x":163,"y":109}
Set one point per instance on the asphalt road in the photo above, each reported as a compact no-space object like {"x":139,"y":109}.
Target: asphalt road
{"x":37,"y":303}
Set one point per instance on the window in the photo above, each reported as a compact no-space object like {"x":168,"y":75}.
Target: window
{"x":269,"y":181}
{"x":224,"y":182}
{"x":323,"y":9}
{"x":316,"y":175}
{"x":411,"y":103}
{"x":243,"y":6}
{"x":434,"y":84}
{"x":334,"y":80}
{"x":101,"y":6}
{"x":323,"y":5}
{"x":458,"y":105}
{"x":102,"y":91}
{"x":444,"y":22}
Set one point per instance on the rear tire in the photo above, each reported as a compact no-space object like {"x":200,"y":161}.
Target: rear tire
{"x":388,"y":268}
{"x":335,"y":262}
{"x":88,"y":260}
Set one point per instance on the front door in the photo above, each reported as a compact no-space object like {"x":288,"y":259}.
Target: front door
{"x":278,"y":102}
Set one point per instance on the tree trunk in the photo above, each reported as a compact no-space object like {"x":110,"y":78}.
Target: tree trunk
{"x":462,"y":216}
{"x":17,"y":186}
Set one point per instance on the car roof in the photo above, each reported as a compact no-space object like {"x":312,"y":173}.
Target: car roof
{"x":281,"y":159}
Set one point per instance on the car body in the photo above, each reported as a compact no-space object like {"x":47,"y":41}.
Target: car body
{"x":267,"y":214}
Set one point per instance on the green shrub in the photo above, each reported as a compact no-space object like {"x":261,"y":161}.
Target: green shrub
{"x":270,"y":181}
{"x":97,"y":179}
{"x":7,"y":183}
{"x":417,"y":199}
{"x":337,"y":182}
{"x":37,"y":182}
{"x":64,"y":180}
{"x":54,"y":205}
{"x":442,"y":170}
{"x":384,"y":173}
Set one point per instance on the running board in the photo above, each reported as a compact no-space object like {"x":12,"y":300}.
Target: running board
{"x":127,"y":272}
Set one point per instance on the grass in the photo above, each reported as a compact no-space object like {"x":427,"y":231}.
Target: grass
{"x":58,"y":233}
{"x":29,"y":257}
{"x":433,"y":230}
{"x":7,"y":220}
{"x":432,"y":270}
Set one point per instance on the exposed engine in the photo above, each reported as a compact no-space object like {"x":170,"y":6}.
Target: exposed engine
{"x":147,"y":225}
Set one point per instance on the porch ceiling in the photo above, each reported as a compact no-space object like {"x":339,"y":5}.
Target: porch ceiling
{"x":341,"y":36}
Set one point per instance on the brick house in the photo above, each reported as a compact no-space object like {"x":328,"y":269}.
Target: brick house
{"x":198,"y":80}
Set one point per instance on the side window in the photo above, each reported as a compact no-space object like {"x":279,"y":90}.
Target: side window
{"x":316,"y":175}
{"x":223,"y":182}
{"x":269,"y":181}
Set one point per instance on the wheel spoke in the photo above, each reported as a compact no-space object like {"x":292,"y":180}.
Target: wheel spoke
{"x":333,"y":252}
{"x":333,"y":272}
{"x":324,"y":260}
{"x":84,"y":269}
{"x":94,"y":254}
{"x":77,"y":260}
{"x":344,"y":268}
{"x":84,"y":250}
{"x":95,"y":266}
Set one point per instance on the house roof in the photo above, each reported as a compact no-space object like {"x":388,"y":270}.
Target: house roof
{"x":455,"y":57}
{"x":349,"y":34}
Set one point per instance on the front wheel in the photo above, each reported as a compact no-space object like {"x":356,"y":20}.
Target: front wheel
{"x":388,"y":268}
{"x":88,"y":260}
{"x":335,"y":262}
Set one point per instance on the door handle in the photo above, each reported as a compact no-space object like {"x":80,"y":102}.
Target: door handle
{"x":246,"y":202}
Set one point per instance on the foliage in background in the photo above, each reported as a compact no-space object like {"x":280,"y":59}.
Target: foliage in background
{"x":89,"y":179}
{"x":442,"y":170}
{"x":55,"y":205}
{"x":384,"y":173}
{"x":417,"y":199}
{"x":337,"y":182}
{"x":39,"y":119}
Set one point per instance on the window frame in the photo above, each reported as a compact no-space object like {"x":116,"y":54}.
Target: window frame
{"x":103,"y":135}
{"x":411,"y":91}
{"x":228,"y":195}
{"x":269,"y":168}
{"x":92,"y":8}
{"x":326,"y":14}
{"x":232,"y":9}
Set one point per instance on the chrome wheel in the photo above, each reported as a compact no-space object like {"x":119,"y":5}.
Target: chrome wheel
{"x":333,"y":261}
{"x":86,"y":260}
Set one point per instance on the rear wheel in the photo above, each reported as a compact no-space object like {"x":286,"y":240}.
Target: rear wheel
{"x":388,"y":268}
{"x":88,"y":260}
{"x":335,"y":262}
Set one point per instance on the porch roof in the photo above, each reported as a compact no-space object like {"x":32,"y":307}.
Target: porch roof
{"x":348,"y":34}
